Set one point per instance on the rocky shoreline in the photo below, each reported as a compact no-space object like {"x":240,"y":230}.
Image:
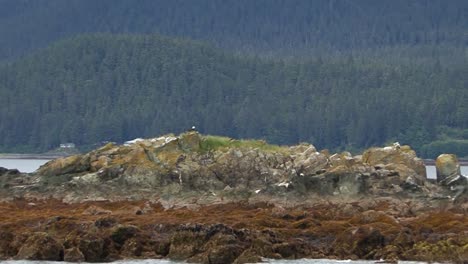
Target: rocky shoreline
{"x":210,"y":199}
{"x":233,"y":232}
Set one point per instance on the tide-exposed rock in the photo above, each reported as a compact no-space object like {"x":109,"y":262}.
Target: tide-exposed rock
{"x":209,"y":199}
{"x":6,"y":241}
{"x":40,"y":246}
{"x":402,"y":159}
{"x":73,"y":255}
{"x":216,"y":169}
{"x":237,"y":232}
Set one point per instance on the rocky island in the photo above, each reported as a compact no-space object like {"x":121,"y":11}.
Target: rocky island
{"x":209,"y":199}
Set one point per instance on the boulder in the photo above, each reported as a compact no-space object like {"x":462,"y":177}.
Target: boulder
{"x":41,"y":246}
{"x":447,"y":167}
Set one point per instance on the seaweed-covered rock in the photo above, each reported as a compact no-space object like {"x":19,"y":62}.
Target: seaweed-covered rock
{"x":123,"y":232}
{"x":6,"y":248}
{"x":73,"y":255}
{"x":207,"y":244}
{"x":41,"y":246}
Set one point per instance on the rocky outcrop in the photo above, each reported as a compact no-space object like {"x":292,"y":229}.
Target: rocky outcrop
{"x":214,"y":169}
{"x":208,"y":199}
{"x":402,"y":160}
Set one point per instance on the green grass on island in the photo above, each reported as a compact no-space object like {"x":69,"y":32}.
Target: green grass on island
{"x":210,"y":143}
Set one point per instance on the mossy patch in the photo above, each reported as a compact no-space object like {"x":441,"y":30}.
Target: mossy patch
{"x":211,"y":143}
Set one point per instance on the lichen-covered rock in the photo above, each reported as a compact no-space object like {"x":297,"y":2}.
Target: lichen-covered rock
{"x":404,"y":155}
{"x":40,"y":246}
{"x":61,"y":166}
{"x":190,"y":141}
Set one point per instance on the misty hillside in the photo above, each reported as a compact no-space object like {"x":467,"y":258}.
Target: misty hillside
{"x":98,"y":87}
{"x":401,"y":28}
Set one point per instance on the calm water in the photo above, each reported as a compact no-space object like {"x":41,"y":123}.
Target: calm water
{"x":150,"y":261}
{"x":23,"y":165}
{"x":30,"y":165}
{"x":431,"y":171}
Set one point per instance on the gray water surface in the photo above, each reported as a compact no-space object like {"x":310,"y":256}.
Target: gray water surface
{"x":431,"y":171}
{"x":23,"y":165}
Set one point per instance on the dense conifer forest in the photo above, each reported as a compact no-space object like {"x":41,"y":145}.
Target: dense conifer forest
{"x":338,"y":74}
{"x":99,"y":87}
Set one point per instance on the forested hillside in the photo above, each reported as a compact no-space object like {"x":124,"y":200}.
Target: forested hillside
{"x":396,"y":28}
{"x":98,"y":87}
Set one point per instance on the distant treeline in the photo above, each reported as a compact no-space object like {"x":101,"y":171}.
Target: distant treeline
{"x":98,"y":87}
